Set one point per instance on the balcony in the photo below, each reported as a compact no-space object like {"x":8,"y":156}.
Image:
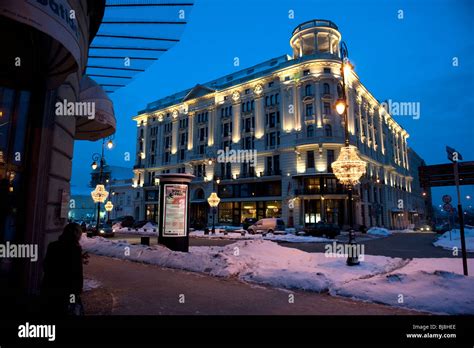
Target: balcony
{"x":270,"y":172}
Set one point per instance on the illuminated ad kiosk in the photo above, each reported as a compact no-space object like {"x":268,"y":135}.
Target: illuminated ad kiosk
{"x":174,"y":208}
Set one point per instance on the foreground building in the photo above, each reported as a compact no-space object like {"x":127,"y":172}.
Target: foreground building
{"x":284,"y":109}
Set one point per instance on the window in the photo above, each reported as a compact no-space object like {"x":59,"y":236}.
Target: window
{"x":270,"y":84}
{"x":308,"y":90}
{"x":328,"y":130}
{"x":327,"y":108}
{"x":330,"y":159}
{"x":310,"y":131}
{"x":326,"y":89}
{"x":306,"y":72}
{"x":181,"y":154}
{"x":309,"y":110}
{"x":327,"y":70}
{"x":310,"y":159}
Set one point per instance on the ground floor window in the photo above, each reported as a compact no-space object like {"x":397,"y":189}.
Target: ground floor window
{"x":236,"y":212}
{"x":152,"y":212}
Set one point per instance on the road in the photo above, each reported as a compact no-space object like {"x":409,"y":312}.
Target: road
{"x":404,"y":245}
{"x":130,"y":288}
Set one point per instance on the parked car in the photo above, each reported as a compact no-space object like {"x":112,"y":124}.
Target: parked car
{"x":139,"y":224}
{"x":105,"y":230}
{"x":248,"y":222}
{"x":321,"y":228}
{"x":268,"y":225}
{"x":422,"y":228}
{"x":125,"y":221}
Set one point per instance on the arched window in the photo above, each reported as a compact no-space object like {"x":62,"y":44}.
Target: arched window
{"x":308,"y":90}
{"x":310,"y":131}
{"x":272,"y":99}
{"x":199,"y":194}
{"x":247,"y":108}
{"x":252,"y":106}
{"x":326,"y":89}
{"x":277,"y":98}
{"x":243,"y":107}
{"x":328,"y":130}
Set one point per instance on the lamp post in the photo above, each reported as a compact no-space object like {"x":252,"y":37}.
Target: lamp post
{"x":213,"y":201}
{"x":100,"y":194}
{"x":108,"y":207}
{"x":348,"y":167}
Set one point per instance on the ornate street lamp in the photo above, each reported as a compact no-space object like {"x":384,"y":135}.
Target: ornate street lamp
{"x":213,"y":201}
{"x":348,"y":167}
{"x":99,"y":195}
{"x":108,"y":207}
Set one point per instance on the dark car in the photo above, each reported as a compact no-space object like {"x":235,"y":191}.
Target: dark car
{"x":248,"y":222}
{"x":321,"y":228}
{"x":140,"y":224}
{"x":126,"y":221}
{"x":423,"y":228}
{"x":105,"y":230}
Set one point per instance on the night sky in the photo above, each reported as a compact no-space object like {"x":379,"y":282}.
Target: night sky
{"x":405,"y":60}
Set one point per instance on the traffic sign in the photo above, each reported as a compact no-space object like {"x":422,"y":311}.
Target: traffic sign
{"x":447,"y":199}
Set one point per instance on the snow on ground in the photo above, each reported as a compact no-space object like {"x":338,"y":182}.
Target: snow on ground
{"x":379,"y":231}
{"x":434,"y":285}
{"x":90,"y":284}
{"x":431,"y":285}
{"x":291,"y":238}
{"x":447,"y":242}
{"x":147,"y":230}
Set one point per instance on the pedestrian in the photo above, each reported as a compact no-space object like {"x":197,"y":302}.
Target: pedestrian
{"x":63,"y":278}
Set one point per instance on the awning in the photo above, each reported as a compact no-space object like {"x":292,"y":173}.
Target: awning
{"x":103,"y":123}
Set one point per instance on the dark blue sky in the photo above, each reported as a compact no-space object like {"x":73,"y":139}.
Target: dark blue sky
{"x":407,"y":60}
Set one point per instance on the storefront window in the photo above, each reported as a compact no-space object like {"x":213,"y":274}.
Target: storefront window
{"x":152,"y":212}
{"x":225,"y":212}
{"x":272,"y":209}
{"x":249,"y":210}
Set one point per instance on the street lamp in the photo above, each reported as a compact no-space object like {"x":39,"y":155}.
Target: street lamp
{"x":99,"y":195}
{"x":348,"y":167}
{"x":213,"y":201}
{"x":108,"y":207}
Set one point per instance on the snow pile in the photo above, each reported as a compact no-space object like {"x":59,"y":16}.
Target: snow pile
{"x":445,"y":242}
{"x":253,"y":260}
{"x":432,"y":285}
{"x":290,"y":238}
{"x":379,"y":231}
{"x":148,"y":229}
{"x":90,"y":284}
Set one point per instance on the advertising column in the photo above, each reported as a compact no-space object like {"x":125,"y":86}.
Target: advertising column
{"x":174,"y":208}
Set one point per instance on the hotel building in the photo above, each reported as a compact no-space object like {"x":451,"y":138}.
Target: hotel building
{"x":284,"y":109}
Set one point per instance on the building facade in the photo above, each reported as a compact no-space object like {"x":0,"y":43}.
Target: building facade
{"x":283,"y":109}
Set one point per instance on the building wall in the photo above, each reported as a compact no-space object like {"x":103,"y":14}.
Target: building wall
{"x":302,"y":92}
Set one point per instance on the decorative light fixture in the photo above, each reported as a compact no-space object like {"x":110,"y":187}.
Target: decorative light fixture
{"x":110,"y":144}
{"x":94,"y":165}
{"x":340,"y":106}
{"x":348,"y":167}
{"x":109,"y":206}
{"x":210,"y":161}
{"x":99,"y":195}
{"x":213,"y":201}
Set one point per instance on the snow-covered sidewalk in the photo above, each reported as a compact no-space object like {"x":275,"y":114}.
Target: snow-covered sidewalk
{"x":453,"y":240}
{"x":434,"y":285}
